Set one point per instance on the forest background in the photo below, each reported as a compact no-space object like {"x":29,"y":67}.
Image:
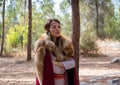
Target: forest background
{"x":99,"y":19}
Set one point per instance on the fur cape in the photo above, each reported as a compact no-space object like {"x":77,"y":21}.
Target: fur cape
{"x":62,"y":46}
{"x":44,"y":46}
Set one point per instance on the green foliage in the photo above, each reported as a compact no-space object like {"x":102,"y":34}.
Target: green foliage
{"x":88,"y":36}
{"x":1,"y":1}
{"x":16,"y":36}
{"x":112,"y":26}
{"x":46,"y":8}
{"x":64,"y":6}
{"x":41,"y":12}
{"x":88,"y":10}
{"x":66,"y":24}
{"x":65,"y":18}
{"x":16,"y":13}
{"x":12,"y":12}
{"x":0,"y":4}
{"x":87,"y":44}
{"x":38,"y":25}
{"x":0,"y":31}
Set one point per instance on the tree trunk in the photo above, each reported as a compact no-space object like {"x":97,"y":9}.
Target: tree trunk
{"x":29,"y":30}
{"x":3,"y":26}
{"x":76,"y":31}
{"x":97,"y":25}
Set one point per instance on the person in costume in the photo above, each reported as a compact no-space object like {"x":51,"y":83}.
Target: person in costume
{"x":54,"y":61}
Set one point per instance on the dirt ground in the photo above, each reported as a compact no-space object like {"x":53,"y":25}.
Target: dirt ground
{"x":15,"y":71}
{"x":101,"y":66}
{"x":18,"y":71}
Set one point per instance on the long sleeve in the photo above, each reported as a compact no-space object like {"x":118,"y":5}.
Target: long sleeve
{"x":58,"y":70}
{"x":69,"y":64}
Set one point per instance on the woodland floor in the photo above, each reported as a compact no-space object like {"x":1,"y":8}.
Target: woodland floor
{"x":101,"y":66}
{"x":18,"y":71}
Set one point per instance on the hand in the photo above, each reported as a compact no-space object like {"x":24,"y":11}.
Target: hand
{"x":58,"y":64}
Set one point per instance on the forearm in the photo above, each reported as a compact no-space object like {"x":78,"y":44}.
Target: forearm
{"x":60,"y":64}
{"x":65,"y":64}
{"x":69,"y":64}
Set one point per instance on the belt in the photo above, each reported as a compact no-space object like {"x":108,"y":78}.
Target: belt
{"x":59,"y":76}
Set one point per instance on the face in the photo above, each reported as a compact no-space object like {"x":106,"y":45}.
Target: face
{"x":55,"y":29}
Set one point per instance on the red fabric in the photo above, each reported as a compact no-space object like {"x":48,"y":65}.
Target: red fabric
{"x":37,"y":82}
{"x":75,"y":77}
{"x":48,"y":75}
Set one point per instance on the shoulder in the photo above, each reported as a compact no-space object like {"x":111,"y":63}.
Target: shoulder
{"x":63,"y":37}
{"x":44,"y":36}
{"x":40,"y":40}
{"x":45,"y":41}
{"x":65,"y":40}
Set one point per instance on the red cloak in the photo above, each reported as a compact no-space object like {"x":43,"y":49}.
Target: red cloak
{"x":48,"y":75}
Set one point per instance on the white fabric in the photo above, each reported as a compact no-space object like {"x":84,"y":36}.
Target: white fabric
{"x":56,"y":69}
{"x":60,"y":81}
{"x":69,"y":64}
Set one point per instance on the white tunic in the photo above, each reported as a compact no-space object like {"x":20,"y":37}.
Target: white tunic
{"x":56,"y":69}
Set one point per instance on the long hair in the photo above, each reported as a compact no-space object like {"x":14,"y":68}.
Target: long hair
{"x":48,"y":23}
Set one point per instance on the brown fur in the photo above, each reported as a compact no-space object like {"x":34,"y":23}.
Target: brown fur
{"x":44,"y":42}
{"x":41,"y":44}
{"x":39,"y":58}
{"x":67,"y":47}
